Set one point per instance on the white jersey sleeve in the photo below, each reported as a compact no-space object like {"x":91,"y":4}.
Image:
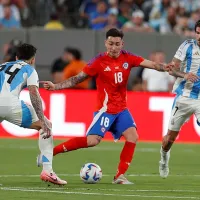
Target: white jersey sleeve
{"x":181,"y":52}
{"x":33,"y":79}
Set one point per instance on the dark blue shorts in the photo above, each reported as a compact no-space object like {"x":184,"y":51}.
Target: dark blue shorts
{"x":115,"y":123}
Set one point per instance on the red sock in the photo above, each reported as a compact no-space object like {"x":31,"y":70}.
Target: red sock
{"x":125,"y":158}
{"x":70,"y":145}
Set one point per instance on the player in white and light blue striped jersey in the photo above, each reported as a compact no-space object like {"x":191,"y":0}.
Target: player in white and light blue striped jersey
{"x":14,"y":76}
{"x":187,"y":100}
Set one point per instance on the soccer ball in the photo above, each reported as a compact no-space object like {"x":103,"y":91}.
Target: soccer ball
{"x":91,"y":173}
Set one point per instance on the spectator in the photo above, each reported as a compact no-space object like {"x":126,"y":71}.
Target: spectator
{"x":125,"y":13}
{"x":112,"y":20}
{"x":10,"y":50}
{"x":75,"y":66}
{"x":54,"y":23}
{"x":8,"y":21}
{"x":182,"y":27}
{"x":58,"y":67}
{"x":167,"y":25}
{"x":98,"y":19}
{"x":137,"y":23}
{"x":14,"y":9}
{"x":155,"y":81}
{"x":88,"y":7}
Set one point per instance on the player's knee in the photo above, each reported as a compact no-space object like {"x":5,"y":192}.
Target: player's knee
{"x":93,"y":140}
{"x":132,"y":137}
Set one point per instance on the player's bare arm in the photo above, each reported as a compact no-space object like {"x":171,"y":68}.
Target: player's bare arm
{"x":157,"y":66}
{"x":37,"y":104}
{"x":69,"y":83}
{"x":175,"y":71}
{"x":172,"y":68}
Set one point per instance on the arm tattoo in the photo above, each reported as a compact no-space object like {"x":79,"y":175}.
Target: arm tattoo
{"x":36,"y":101}
{"x":72,"y":81}
{"x":159,"y":67}
{"x":176,"y":70}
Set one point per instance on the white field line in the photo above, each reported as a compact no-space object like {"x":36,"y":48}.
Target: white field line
{"x":72,"y":175}
{"x":102,"y":189}
{"x":93,"y":193}
{"x":113,"y":148}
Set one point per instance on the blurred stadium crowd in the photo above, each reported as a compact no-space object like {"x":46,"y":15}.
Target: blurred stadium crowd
{"x":162,"y":16}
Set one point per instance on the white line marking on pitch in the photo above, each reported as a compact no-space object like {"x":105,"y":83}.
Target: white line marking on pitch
{"x":103,"y":189}
{"x":71,"y":175}
{"x":93,"y":193}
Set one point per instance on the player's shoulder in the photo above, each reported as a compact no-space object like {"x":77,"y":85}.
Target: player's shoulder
{"x":187,"y":43}
{"x":127,"y":53}
{"x":97,"y":58}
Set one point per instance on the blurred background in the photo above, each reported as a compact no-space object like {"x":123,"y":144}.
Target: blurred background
{"x":69,"y":33}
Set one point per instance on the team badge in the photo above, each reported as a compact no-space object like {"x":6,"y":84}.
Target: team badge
{"x":125,"y":65}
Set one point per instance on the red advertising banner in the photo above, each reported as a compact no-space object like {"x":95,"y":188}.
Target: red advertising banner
{"x":71,"y":112}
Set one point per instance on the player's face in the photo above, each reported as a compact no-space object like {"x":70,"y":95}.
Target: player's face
{"x":198,"y":35}
{"x":113,"y":46}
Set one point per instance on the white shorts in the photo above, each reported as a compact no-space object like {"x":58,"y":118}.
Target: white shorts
{"x":183,"y":108}
{"x":19,"y":113}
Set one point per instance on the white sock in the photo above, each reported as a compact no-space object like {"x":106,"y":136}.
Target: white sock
{"x":164,"y":156}
{"x":46,"y":149}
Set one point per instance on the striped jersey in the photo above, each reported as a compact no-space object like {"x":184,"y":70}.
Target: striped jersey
{"x":15,"y":76}
{"x":189,"y":54}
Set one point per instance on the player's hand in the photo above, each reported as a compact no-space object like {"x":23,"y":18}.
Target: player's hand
{"x":191,"y":77}
{"x":46,"y":130}
{"x":169,"y":67}
{"x":48,"y":85}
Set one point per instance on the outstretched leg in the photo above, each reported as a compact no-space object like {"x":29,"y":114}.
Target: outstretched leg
{"x":77,"y":143}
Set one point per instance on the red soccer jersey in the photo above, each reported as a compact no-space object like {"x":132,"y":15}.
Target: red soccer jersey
{"x":111,"y":79}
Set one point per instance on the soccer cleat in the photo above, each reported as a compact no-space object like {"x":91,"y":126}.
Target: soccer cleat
{"x":39,"y":160}
{"x":163,"y":169}
{"x":121,"y":180}
{"x":163,"y":164}
{"x":52,"y":178}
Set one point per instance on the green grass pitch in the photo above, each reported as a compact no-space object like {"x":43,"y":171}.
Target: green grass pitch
{"x":19,"y":176}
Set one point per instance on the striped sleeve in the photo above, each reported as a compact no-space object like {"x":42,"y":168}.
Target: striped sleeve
{"x":182,"y":50}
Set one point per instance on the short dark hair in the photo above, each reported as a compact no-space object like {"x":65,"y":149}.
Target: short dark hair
{"x":113,"y":32}
{"x":197,"y":25}
{"x":25,"y":51}
{"x":75,"y":52}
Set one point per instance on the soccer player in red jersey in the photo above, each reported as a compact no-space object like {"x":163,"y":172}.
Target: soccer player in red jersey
{"x":111,"y":70}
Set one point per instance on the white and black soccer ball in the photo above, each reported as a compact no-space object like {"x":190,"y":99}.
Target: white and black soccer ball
{"x":91,"y":173}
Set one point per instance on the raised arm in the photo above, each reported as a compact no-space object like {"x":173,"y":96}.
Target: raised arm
{"x":69,"y":83}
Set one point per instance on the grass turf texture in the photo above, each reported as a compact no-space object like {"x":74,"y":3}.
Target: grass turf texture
{"x":19,"y":175}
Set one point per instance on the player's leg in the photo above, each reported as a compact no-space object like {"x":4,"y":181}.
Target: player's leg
{"x":100,"y":124}
{"x":181,"y":111}
{"x":125,"y":125}
{"x":26,"y":117}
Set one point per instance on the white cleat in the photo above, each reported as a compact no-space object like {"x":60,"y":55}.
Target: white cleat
{"x":163,"y":169}
{"x":121,"y":180}
{"x":39,"y":160}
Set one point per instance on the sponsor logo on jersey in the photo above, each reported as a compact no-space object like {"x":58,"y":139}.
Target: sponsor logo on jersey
{"x":196,"y":53}
{"x":125,"y":65}
{"x":107,"y":69}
